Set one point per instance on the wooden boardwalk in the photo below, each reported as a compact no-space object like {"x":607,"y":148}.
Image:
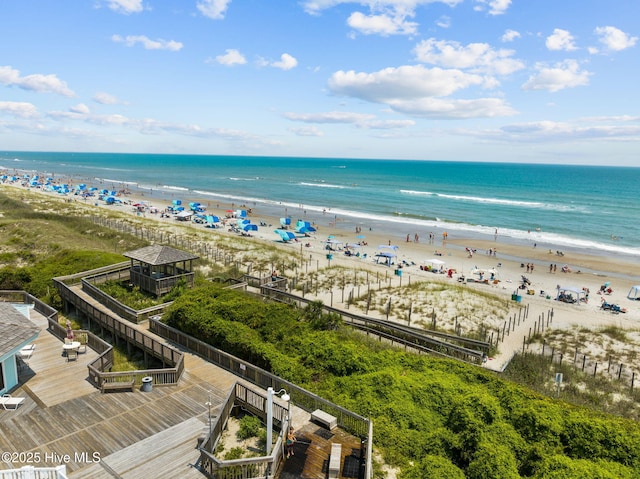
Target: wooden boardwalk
{"x":312,"y":450}
{"x":65,"y":419}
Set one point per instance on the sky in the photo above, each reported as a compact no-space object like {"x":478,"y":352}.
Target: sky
{"x":534,"y":81}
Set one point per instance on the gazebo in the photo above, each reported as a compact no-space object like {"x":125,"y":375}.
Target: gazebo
{"x":157,"y":268}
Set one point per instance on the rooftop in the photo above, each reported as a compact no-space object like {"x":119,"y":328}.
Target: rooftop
{"x":158,"y":255}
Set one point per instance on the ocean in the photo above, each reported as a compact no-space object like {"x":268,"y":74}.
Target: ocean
{"x":592,"y":209}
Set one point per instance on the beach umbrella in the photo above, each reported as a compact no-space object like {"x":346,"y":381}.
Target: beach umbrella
{"x":385,"y":246}
{"x":286,"y":236}
{"x":361,"y":236}
{"x":176,"y":202}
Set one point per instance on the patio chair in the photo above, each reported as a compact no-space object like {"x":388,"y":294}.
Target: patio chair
{"x":9,"y":402}
{"x":72,"y":355}
{"x":83,"y":344}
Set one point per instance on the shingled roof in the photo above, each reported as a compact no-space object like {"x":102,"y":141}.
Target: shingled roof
{"x":157,"y":255}
{"x":16,"y":328}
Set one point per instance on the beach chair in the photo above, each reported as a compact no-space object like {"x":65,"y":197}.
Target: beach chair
{"x":83,"y":343}
{"x":8,"y":402}
{"x":72,"y":355}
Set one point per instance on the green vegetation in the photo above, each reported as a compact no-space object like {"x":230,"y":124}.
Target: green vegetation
{"x":249,"y":427}
{"x":441,"y":416}
{"x":40,"y":242}
{"x":432,"y":418}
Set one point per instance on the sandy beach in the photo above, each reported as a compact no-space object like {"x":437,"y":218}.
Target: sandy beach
{"x":508,"y":261}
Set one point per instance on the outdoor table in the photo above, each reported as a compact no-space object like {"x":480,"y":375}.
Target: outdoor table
{"x":72,"y":345}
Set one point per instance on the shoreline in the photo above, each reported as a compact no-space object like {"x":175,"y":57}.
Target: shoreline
{"x":584,"y":267}
{"x":508,"y":264}
{"x":395,"y":224}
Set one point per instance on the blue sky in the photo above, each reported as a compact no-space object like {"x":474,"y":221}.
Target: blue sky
{"x":549,"y":81}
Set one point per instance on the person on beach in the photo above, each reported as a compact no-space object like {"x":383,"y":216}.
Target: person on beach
{"x":291,"y":439}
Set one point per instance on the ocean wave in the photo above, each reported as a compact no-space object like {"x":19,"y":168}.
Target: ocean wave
{"x":321,"y":185}
{"x":120,"y":182}
{"x":231,"y":178}
{"x":500,"y":201}
{"x":174,"y":188}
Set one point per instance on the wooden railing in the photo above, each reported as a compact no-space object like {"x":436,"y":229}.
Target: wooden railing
{"x":99,"y":369}
{"x":247,"y":468}
{"x":347,"y":420}
{"x":119,"y":272}
{"x":441,"y":344}
{"x":32,"y":472}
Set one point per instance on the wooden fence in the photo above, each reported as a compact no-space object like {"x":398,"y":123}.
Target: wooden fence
{"x":247,"y":468}
{"x":347,"y":420}
{"x":172,"y":359}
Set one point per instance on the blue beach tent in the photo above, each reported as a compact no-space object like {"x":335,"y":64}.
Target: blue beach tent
{"x":250,"y":227}
{"x":304,"y":227}
{"x":286,"y":236}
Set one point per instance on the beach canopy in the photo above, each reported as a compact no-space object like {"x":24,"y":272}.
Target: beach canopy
{"x":250,"y":227}
{"x":286,"y":236}
{"x":386,"y":258}
{"x":285,"y":221}
{"x":634,"y":292}
{"x":435,"y":262}
{"x":580,"y":294}
{"x":304,"y":227}
{"x":385,"y":246}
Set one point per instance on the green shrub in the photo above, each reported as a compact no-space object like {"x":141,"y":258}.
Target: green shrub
{"x":249,"y":427}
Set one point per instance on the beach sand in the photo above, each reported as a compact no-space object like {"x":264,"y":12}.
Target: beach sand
{"x":509,"y":262}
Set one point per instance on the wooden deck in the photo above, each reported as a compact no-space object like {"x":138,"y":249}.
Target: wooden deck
{"x":133,"y":434}
{"x":312,"y":450}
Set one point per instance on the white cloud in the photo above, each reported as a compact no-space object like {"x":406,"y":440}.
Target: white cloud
{"x":386,"y":124}
{"x":106,"y":99}
{"x":307,"y":131}
{"x":214,"y":9}
{"x":409,"y":82}
{"x":80,"y":108}
{"x":316,"y":6}
{"x":567,"y":131}
{"x":287,"y":62}
{"x":560,"y":40}
{"x":383,"y":24}
{"x":566,"y":74}
{"x":148,"y":44}
{"x":444,"y":108}
{"x":510,"y":35}
{"x":496,"y":7}
{"x":415,"y":90}
{"x":18,"y":109}
{"x":231,"y":57}
{"x":329,"y":117}
{"x":478,"y":57}
{"x":39,"y":83}
{"x":614,"y":39}
{"x":125,"y":6}
{"x":444,"y":21}
{"x":384,"y":17}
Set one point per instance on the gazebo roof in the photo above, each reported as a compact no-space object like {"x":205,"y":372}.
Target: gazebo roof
{"x":157,"y":255}
{"x":16,"y":328}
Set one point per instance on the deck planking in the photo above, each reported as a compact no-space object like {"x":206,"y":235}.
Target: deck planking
{"x":135,"y":434}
